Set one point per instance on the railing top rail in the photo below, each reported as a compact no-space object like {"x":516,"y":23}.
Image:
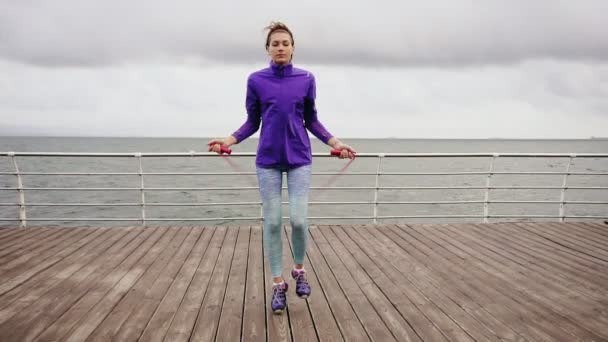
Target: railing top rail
{"x":316,"y":154}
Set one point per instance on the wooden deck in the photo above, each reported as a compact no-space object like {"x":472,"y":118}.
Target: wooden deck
{"x":483,"y":282}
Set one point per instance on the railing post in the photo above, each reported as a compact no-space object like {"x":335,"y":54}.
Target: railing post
{"x":142,"y":190}
{"x":380,"y":157}
{"x":20,"y":193}
{"x":562,"y":207}
{"x":486,"y":207}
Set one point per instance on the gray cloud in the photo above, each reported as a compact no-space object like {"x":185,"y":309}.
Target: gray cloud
{"x":432,"y":69}
{"x":536,"y":99}
{"x":370,"y":33}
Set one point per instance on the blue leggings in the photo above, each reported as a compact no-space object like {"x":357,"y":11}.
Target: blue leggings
{"x":298,"y":186}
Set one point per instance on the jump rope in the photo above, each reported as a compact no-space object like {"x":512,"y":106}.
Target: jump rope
{"x":225,"y":152}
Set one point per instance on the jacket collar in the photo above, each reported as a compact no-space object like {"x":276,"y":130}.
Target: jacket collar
{"x":281,"y":70}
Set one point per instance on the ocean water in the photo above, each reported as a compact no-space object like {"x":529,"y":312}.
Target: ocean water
{"x":246,"y":164}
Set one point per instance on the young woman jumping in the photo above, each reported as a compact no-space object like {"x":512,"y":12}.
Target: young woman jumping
{"x":282,"y":98}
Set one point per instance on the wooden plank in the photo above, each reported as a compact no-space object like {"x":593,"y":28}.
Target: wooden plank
{"x":538,"y":257}
{"x":30,"y":257}
{"x":277,"y":325}
{"x":569,"y":296}
{"x":398,"y":326}
{"x":567,"y":239}
{"x":131,"y":314}
{"x":346,"y":318}
{"x":527,"y":284}
{"x":453,"y":312}
{"x":162,"y":287}
{"x":538,"y":291}
{"x":75,"y":290}
{"x":440,"y":282}
{"x":18,"y":234}
{"x":206,"y":325}
{"x":16,"y":277}
{"x":30,"y":243}
{"x":538,"y":236}
{"x":231,"y":319}
{"x":300,"y":319}
{"x":370,"y":319}
{"x":10,"y":234}
{"x":120,"y":282}
{"x":412,"y":304}
{"x":483,"y":289}
{"x":550,"y":272}
{"x":599,"y":228}
{"x":555,"y":247}
{"x":587,"y":236}
{"x":155,"y":327}
{"x":555,"y":230}
{"x":33,"y":289}
{"x":322,"y":318}
{"x":185,"y":318}
{"x":5,"y":231}
{"x":254,"y":312}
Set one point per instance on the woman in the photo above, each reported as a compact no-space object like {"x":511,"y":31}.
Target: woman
{"x":282,"y":98}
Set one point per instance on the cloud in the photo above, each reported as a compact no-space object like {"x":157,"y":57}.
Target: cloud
{"x":428,"y":69}
{"x":370,"y":34}
{"x":537,"y":99}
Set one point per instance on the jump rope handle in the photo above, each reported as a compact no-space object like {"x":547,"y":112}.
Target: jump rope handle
{"x":225,"y":150}
{"x":335,"y":152}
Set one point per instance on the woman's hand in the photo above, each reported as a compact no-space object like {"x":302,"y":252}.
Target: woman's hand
{"x":347,"y":151}
{"x":215,"y":145}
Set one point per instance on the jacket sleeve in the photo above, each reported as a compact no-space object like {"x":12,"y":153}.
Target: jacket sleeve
{"x":311,"y":121}
{"x":252,"y":105}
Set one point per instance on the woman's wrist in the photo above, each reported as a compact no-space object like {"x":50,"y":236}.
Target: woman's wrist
{"x":333,"y":142}
{"x":230,"y":140}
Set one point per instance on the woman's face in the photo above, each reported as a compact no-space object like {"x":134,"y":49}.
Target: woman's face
{"x":280,"y":48}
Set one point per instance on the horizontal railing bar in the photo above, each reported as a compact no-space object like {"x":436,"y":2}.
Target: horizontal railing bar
{"x":136,"y":219}
{"x":316,"y":154}
{"x":463,"y":173}
{"x":495,"y":216}
{"x":310,"y":217}
{"x":167,"y":204}
{"x":550,"y":216}
{"x":488,"y":187}
{"x":129,"y":173}
{"x":285,"y":203}
{"x":482,"y":173}
{"x":136,"y":189}
{"x":71,"y":173}
{"x":321,"y":188}
{"x":511,"y":202}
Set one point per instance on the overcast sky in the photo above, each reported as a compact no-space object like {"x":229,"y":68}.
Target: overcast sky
{"x":408,"y":69}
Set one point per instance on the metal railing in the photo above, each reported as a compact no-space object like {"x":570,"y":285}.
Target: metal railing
{"x":21,"y":188}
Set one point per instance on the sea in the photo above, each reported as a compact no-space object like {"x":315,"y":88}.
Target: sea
{"x":164,"y":207}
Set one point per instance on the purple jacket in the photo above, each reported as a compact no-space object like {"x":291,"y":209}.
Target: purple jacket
{"x":282,"y":98}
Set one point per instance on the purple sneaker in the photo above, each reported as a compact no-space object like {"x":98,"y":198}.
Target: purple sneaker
{"x":302,"y":286}
{"x":279,"y":298}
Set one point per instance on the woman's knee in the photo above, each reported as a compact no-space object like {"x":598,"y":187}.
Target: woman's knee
{"x":298,"y":223}
{"x":273,"y":224}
